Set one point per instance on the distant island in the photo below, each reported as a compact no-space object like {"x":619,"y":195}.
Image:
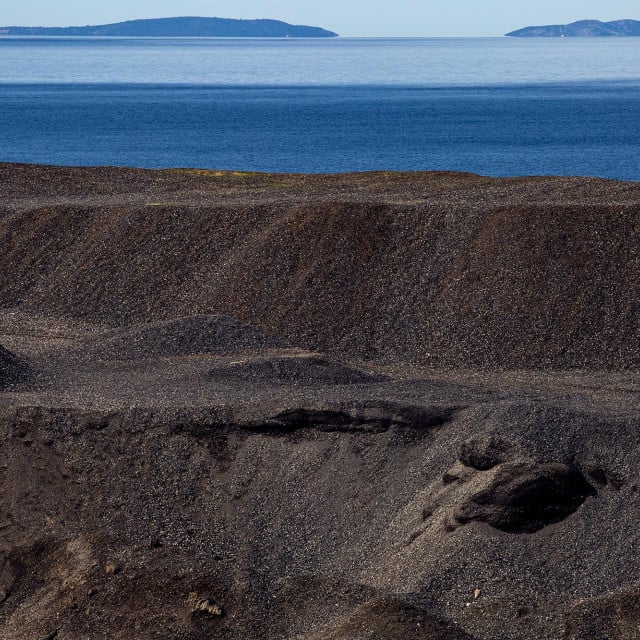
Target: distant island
{"x":182,"y":27}
{"x":581,"y":29}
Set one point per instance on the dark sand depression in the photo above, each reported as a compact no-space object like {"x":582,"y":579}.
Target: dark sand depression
{"x":318,"y":407}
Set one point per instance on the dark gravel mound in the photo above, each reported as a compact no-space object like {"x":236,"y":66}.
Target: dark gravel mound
{"x":180,"y":337}
{"x":14,"y":372}
{"x":303,"y":370}
{"x":441,"y":269}
{"x":390,"y":619}
{"x":611,"y":617}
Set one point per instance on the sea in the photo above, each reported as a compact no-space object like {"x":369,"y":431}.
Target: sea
{"x":492,"y":106}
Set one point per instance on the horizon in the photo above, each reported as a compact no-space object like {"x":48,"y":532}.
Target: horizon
{"x":405,"y":18}
{"x":218,"y":17}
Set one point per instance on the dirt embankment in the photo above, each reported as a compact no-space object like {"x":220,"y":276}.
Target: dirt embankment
{"x":436,"y":269}
{"x":220,"y":416}
{"x":306,"y":519}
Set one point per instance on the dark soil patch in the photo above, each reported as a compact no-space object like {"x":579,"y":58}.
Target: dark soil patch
{"x":524,"y":498}
{"x":14,"y":372}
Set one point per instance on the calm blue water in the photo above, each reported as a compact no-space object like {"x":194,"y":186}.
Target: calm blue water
{"x":492,"y":106}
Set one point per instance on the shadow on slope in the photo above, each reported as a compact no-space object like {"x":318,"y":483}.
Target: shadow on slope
{"x":14,"y":372}
{"x":179,"y":337}
{"x":294,"y":369}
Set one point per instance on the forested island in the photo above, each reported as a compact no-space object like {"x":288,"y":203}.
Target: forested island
{"x":581,"y":29}
{"x":182,"y":27}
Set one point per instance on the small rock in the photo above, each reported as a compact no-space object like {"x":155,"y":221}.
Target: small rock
{"x":112,"y":568}
{"x":476,"y":594}
{"x":204,"y":606}
{"x":450,"y":478}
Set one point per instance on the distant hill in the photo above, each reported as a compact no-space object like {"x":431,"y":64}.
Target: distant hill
{"x":185,"y":27}
{"x":581,"y":29}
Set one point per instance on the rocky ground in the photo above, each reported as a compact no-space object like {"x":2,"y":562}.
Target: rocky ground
{"x":318,"y":407}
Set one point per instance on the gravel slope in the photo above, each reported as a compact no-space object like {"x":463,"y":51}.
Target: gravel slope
{"x":376,"y":406}
{"x":439,"y":269}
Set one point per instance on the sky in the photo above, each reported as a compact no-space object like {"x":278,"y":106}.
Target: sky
{"x":408,"y":18}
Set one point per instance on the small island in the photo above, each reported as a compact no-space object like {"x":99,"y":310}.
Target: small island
{"x":182,"y":27}
{"x":581,"y":29}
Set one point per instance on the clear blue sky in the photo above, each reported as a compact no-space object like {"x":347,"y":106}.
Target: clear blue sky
{"x":347,"y":17}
